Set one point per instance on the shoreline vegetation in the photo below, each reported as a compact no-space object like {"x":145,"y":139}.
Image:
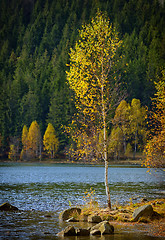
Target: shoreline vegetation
{"x":152,"y":224}
{"x":136,"y":162}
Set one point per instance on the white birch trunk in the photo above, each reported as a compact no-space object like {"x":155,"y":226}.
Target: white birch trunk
{"x":105,"y":151}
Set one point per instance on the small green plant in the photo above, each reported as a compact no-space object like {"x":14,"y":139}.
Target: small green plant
{"x":90,"y":199}
{"x":130,"y":201}
{"x":70,"y":204}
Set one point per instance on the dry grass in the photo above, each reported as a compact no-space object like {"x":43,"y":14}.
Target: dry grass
{"x":124,"y":213}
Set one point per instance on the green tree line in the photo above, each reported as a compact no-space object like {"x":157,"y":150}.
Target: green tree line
{"x":35,"y":39}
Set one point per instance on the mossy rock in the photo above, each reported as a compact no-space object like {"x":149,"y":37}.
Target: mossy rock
{"x":69,"y":213}
{"x":8,"y":207}
{"x":94,"y":219}
{"x":143,"y":211}
{"x":68,"y":231}
{"x":104,"y":227}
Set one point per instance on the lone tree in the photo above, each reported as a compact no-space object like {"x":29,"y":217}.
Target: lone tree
{"x":93,"y":77}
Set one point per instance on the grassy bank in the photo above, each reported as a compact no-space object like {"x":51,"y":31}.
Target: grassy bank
{"x":122,"y":215}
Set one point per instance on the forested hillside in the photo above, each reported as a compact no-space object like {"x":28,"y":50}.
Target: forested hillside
{"x":35,"y":39}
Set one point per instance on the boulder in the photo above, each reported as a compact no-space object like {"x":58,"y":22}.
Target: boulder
{"x":104,"y":227}
{"x":143,"y":211}
{"x":70,"y":212}
{"x":68,"y":231}
{"x":71,"y":231}
{"x":82,"y":232}
{"x":94,"y":219}
{"x":8,"y":207}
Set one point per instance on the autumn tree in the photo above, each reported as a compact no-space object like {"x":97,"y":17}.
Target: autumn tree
{"x":12,"y":152}
{"x":93,"y":78}
{"x":34,"y":140}
{"x":137,"y":121}
{"x":14,"y":148}
{"x":121,"y":120}
{"x":50,"y":141}
{"x":24,"y":152}
{"x":115,"y":143}
{"x":155,"y":147}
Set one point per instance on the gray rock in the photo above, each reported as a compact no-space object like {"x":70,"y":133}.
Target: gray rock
{"x":68,"y":213}
{"x":94,"y":219}
{"x":68,"y":231}
{"x":82,"y":232}
{"x":8,"y":207}
{"x":104,"y":227}
{"x":143,"y":211}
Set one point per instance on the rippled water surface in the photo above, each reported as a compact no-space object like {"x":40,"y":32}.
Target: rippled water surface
{"x":43,"y":190}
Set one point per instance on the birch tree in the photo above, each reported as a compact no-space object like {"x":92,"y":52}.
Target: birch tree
{"x":93,"y":77}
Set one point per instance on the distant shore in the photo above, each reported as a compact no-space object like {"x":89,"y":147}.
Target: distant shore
{"x":64,"y":161}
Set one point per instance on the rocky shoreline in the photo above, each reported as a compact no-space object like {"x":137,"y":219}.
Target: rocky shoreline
{"x":147,"y":217}
{"x":104,"y":220}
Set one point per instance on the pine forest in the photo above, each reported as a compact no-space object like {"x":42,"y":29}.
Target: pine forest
{"x":51,"y":54}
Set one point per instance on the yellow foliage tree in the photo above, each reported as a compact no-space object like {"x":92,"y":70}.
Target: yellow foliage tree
{"x":12,"y":152}
{"x":155,"y":148}
{"x":115,"y":142}
{"x":137,"y":121}
{"x":14,"y":148}
{"x":34,"y":140}
{"x":121,"y":120}
{"x":24,"y":152}
{"x":93,"y":77}
{"x":50,"y":141}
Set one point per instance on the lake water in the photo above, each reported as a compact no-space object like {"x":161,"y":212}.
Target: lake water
{"x":42,"y":191}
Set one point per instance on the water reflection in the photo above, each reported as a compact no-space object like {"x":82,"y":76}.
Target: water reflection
{"x":42,"y":225}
